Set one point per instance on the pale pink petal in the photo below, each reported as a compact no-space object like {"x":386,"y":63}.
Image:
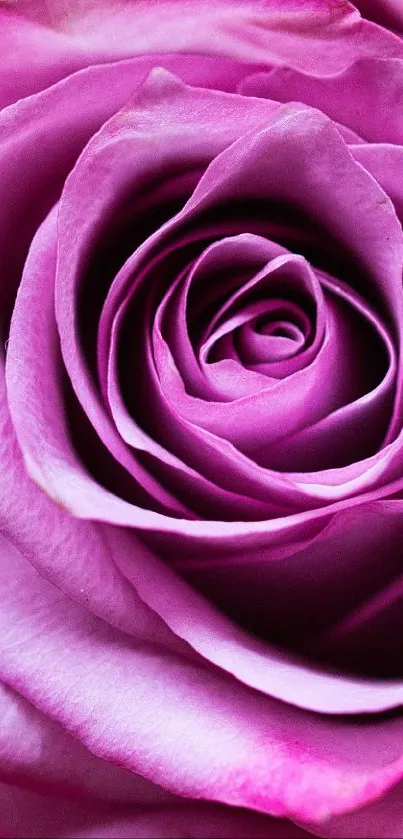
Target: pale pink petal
{"x":223,"y":742}
{"x":39,"y":755}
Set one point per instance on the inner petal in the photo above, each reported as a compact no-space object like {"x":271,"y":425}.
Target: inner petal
{"x":275,"y":335}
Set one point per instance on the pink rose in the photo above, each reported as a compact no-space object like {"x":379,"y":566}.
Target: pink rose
{"x":201,"y":419}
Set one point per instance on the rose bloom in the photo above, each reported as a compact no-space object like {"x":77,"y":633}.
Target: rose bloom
{"x":201,"y":426}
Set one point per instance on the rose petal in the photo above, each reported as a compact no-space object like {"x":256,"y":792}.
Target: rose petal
{"x":333,"y":380}
{"x":385,"y":12}
{"x":383,"y":160}
{"x":384,"y":265}
{"x":365,"y":96}
{"x":26,"y":815}
{"x":382,"y":819}
{"x":38,"y":754}
{"x":41,"y":43}
{"x":390,"y":287}
{"x":230,"y":744}
{"x":42,"y":136}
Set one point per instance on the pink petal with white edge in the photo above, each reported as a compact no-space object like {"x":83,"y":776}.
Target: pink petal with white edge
{"x":39,"y":755}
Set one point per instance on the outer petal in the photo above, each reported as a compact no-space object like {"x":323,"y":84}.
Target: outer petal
{"x":39,"y":755}
{"x":42,"y":42}
{"x":383,"y":819}
{"x":223,"y":742}
{"x":365,"y":96}
{"x":27,"y":815}
{"x":386,"y":12}
{"x":41,"y":137}
{"x":47,"y":535}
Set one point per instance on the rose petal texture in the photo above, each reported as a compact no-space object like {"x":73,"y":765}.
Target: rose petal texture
{"x":234,"y":510}
{"x":48,"y":466}
{"x":27,"y":815}
{"x":389,"y":13}
{"x":61,"y":36}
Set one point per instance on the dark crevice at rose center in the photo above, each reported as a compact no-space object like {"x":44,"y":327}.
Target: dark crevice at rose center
{"x":294,"y":603}
{"x":280,"y":321}
{"x":117,"y":238}
{"x":284,"y":329}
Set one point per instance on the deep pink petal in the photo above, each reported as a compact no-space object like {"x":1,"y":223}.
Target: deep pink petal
{"x":381,"y":820}
{"x":386,"y":12}
{"x":27,"y":815}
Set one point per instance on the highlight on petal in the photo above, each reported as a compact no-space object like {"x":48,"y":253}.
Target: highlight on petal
{"x":365,"y":97}
{"x":43,"y":42}
{"x":39,"y":755}
{"x":223,"y":742}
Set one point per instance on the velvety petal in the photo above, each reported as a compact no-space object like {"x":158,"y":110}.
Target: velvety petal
{"x":365,"y":96}
{"x":386,"y":12}
{"x":45,"y":253}
{"x":383,"y":819}
{"x":90,"y":576}
{"x":333,"y":382}
{"x":39,"y":755}
{"x":27,"y":815}
{"x":365,"y":636}
{"x":375,"y":217}
{"x":303,"y":592}
{"x":173,"y":321}
{"x":41,"y":43}
{"x":229,"y":744}
{"x":80,"y":205}
{"x":229,"y":648}
{"x":358,"y":427}
{"x":41,"y":137}
{"x":390,"y":287}
{"x":287,"y":531}
{"x":383,"y":160}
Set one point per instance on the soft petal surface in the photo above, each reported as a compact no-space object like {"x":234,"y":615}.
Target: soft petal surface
{"x":371,"y":256}
{"x":201,"y":488}
{"x":385,"y":12}
{"x":223,"y":742}
{"x":40,"y":755}
{"x":383,"y":819}
{"x":365,"y":97}
{"x":28,"y":815}
{"x":57,"y":38}
{"x":51,"y":460}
